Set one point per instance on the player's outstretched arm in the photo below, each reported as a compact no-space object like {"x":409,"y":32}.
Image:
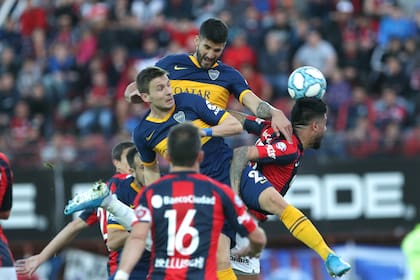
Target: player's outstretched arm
{"x":63,"y":238}
{"x":264,"y":110}
{"x":257,"y":242}
{"x":227,"y":127}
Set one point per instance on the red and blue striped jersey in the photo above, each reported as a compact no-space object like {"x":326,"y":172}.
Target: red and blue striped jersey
{"x":187,"y":211}
{"x":215,"y":84}
{"x":6,"y":184}
{"x":150,"y":135}
{"x":278,"y":160}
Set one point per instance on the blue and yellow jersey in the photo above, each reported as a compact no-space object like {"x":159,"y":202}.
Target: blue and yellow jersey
{"x":214,"y":84}
{"x":150,"y":135}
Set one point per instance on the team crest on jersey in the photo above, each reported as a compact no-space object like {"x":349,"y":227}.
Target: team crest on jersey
{"x":213,"y":74}
{"x":179,"y":117}
{"x":281,"y":146}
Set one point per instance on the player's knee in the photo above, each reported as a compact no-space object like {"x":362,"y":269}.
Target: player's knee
{"x":272,"y":201}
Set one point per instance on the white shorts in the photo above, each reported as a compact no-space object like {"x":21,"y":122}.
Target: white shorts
{"x":243,"y":265}
{"x":8,"y":273}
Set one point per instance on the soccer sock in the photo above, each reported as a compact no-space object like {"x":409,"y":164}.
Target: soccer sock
{"x":121,"y":211}
{"x":303,"y":229}
{"x":226,"y":274}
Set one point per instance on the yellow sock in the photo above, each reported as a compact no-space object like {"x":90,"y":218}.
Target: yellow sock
{"x":303,"y":229}
{"x":226,"y":274}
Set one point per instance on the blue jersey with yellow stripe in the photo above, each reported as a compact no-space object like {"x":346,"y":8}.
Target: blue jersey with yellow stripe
{"x":215,"y":84}
{"x":150,"y":135}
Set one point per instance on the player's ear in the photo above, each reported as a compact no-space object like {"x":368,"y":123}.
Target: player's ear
{"x":145,"y":97}
{"x":196,"y":41}
{"x":166,"y":156}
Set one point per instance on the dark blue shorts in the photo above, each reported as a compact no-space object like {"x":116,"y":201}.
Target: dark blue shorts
{"x":253,"y":183}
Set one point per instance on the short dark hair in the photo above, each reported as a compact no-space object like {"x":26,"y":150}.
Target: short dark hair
{"x":214,"y":30}
{"x":184,"y":144}
{"x":146,"y":75}
{"x":131,"y":155}
{"x":306,"y":110}
{"x":118,"y":149}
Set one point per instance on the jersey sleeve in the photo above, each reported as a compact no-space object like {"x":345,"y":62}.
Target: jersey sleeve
{"x":208,"y":112}
{"x":238,"y":86}
{"x":142,"y":211}
{"x":236,"y":213}
{"x":147,"y":155}
{"x":279,"y":152}
{"x":255,"y":125}
{"x":6,"y":184}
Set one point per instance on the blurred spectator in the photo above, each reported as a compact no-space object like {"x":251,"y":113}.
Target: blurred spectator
{"x":24,"y":136}
{"x":98,"y":115}
{"x":30,"y":74}
{"x":59,"y":68}
{"x":239,"y":52}
{"x":62,"y":148}
{"x":146,"y":10}
{"x":9,"y":97}
{"x":204,"y":9}
{"x":33,"y":17}
{"x":391,"y":140}
{"x":86,"y":47}
{"x":41,"y":110}
{"x":9,"y":61}
{"x":178,"y":10}
{"x":390,"y":108}
{"x":362,"y":140}
{"x":338,"y":94}
{"x":394,"y":24}
{"x":253,"y":27}
{"x":116,"y":65}
{"x":359,"y":106}
{"x":273,"y":62}
{"x":316,"y":52}
{"x":183,"y":32}
{"x":92,"y":151}
{"x":9,"y":35}
{"x":395,"y":77}
{"x":257,"y":82}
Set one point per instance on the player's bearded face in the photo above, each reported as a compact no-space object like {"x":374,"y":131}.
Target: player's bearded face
{"x":207,"y":52}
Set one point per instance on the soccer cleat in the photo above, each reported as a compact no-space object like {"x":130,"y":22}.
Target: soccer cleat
{"x":89,"y":199}
{"x":336,"y":267}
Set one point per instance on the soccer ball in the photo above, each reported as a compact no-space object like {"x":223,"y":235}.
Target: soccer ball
{"x":306,"y":81}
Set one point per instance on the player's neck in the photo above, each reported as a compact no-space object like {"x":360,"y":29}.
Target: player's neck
{"x":176,"y":168}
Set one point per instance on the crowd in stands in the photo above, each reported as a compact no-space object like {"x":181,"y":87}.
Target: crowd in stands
{"x":64,"y":65}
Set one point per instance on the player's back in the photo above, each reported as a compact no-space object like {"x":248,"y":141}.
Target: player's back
{"x":214,"y":84}
{"x":187,"y":218}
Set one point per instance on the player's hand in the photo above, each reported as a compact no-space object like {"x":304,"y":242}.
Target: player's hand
{"x":246,"y":251}
{"x":281,"y":123}
{"x":28,"y":266}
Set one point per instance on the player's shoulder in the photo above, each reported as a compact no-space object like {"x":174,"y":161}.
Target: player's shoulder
{"x":227,"y":69}
{"x":4,"y":158}
{"x":142,"y":126}
{"x":172,"y":59}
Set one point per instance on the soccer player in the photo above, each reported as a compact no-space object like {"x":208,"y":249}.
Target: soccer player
{"x":7,"y":271}
{"x":185,"y":212}
{"x":278,"y":160}
{"x":86,"y":218}
{"x":204,"y":74}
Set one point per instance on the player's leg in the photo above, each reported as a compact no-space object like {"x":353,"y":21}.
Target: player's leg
{"x":245,"y":268}
{"x":224,"y":269}
{"x":302,"y":229}
{"x":261,"y":196}
{"x":100,"y":196}
{"x":7,"y":270}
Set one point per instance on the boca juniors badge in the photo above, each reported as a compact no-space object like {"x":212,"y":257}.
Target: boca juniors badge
{"x":213,"y":74}
{"x":179,"y":117}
